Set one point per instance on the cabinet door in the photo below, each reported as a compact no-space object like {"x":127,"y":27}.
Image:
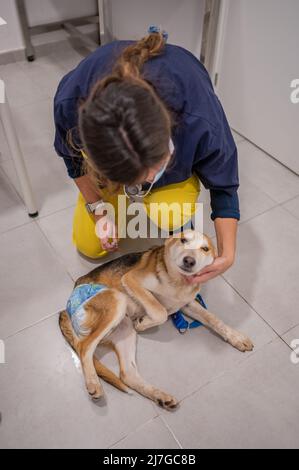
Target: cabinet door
{"x":259,"y":61}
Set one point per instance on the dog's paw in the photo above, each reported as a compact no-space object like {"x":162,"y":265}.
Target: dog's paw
{"x":166,"y":401}
{"x":240,"y":341}
{"x":139,"y":324}
{"x":95,"y":389}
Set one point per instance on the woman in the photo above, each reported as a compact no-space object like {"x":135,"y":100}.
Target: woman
{"x":122,"y":108}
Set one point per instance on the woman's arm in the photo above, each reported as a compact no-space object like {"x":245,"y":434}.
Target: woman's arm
{"x":226,"y":233}
{"x":90,"y":194}
{"x":216,"y":163}
{"x":87,"y":189}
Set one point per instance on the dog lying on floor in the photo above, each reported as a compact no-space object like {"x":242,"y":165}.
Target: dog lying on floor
{"x":133,"y":293}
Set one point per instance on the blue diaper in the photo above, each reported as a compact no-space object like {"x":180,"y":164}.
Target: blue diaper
{"x":75,"y":305}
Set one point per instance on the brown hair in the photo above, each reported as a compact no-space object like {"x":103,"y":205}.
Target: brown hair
{"x":123,"y":124}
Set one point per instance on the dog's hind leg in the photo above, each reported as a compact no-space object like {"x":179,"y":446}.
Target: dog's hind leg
{"x":123,"y":340}
{"x":234,"y":337}
{"x":103,"y":312}
{"x":102,"y":371}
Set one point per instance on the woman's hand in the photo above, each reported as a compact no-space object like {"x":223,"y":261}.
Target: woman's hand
{"x":219,"y":266}
{"x":106,"y":230}
{"x":226,"y":232}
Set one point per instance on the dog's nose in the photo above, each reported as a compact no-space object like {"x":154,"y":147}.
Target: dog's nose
{"x":189,"y":262}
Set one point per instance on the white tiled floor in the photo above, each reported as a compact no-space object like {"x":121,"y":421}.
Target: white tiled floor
{"x":228,"y":399}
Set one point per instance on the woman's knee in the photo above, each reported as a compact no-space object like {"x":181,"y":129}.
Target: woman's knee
{"x":89,"y":250}
{"x":173,"y":206}
{"x":170,"y":216}
{"x":86,"y":240}
{"x":171,"y":224}
{"x":84,"y":236}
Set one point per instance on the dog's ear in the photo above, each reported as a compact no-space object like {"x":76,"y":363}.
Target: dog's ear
{"x":154,"y":247}
{"x":176,"y":235}
{"x":171,"y":240}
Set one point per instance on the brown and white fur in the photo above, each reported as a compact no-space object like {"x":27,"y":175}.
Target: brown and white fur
{"x":143,"y":289}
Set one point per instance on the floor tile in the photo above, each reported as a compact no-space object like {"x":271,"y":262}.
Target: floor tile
{"x":4,"y":150}
{"x":253,"y":406}
{"x":19,"y":88}
{"x":13,"y":212}
{"x":253,"y":201}
{"x":266,"y":269}
{"x":45,"y":73}
{"x":51,"y":185}
{"x":292,"y":206}
{"x":34,"y":125}
{"x":152,"y":435}
{"x":68,"y":57}
{"x":33,"y":283}
{"x":293,"y":336}
{"x":43,"y":399}
{"x":51,"y":65}
{"x":58,"y":230}
{"x":267,"y":174}
{"x":237,"y":137}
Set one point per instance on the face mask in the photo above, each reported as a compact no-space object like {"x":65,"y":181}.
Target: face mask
{"x":161,"y":171}
{"x":159,"y":174}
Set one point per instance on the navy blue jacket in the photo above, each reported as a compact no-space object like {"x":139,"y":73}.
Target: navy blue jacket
{"x":202,"y":138}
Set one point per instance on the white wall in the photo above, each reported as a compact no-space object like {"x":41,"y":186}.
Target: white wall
{"x":182,"y":19}
{"x":39,"y":12}
{"x":49,"y":11}
{"x":259,"y":61}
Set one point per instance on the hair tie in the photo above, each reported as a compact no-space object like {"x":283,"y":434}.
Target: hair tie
{"x":155,"y":29}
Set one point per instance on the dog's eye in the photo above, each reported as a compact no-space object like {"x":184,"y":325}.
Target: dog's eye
{"x":184,"y":240}
{"x":205,"y":248}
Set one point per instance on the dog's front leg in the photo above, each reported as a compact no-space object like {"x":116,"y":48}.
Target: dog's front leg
{"x":234,"y":337}
{"x":156,"y":314}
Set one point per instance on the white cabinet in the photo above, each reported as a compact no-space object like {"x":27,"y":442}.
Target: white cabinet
{"x":259,"y":61}
{"x":129,"y":19}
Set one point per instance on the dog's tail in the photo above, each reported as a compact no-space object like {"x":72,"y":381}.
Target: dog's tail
{"x":102,"y":371}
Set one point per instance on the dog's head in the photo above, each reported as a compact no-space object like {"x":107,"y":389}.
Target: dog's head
{"x":189,"y":252}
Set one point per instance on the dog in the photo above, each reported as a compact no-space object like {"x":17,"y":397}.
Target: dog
{"x":140,"y":291}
